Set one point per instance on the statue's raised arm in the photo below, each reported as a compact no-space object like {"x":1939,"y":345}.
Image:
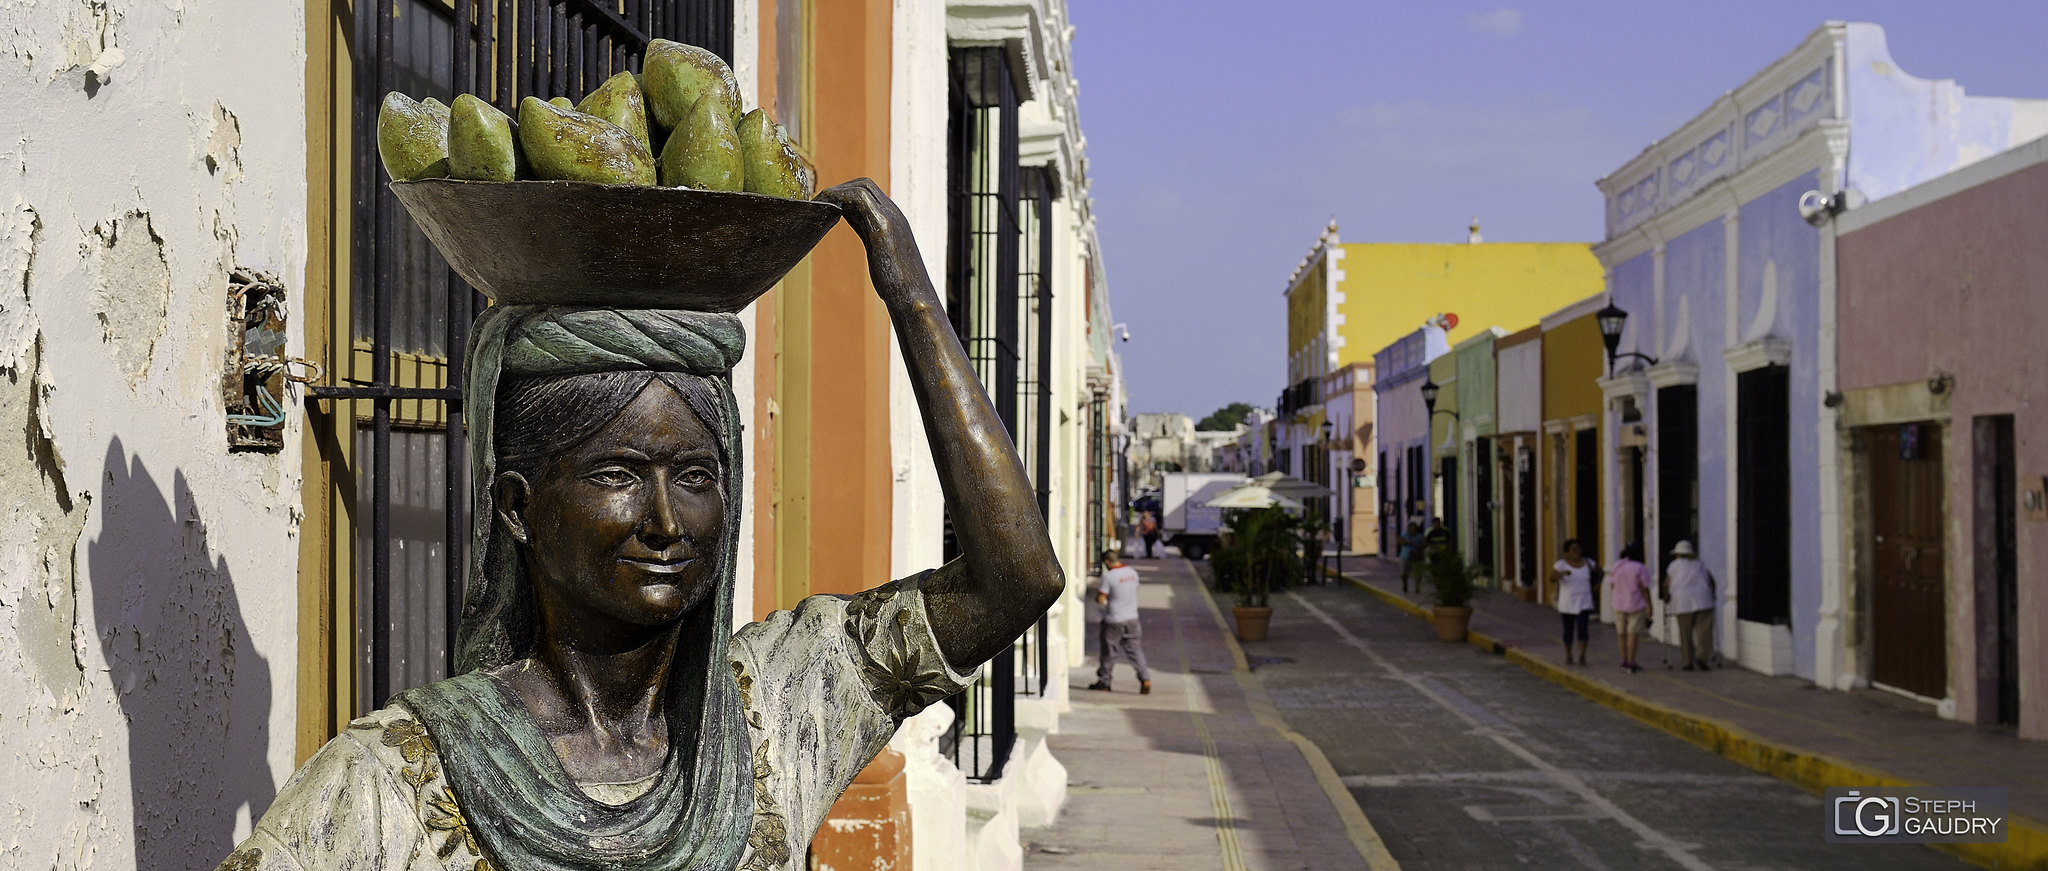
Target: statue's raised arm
{"x":1007,"y":574}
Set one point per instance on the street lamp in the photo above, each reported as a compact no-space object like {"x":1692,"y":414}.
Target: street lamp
{"x":1430,"y":389}
{"x":1612,"y":319}
{"x":1329,"y":431}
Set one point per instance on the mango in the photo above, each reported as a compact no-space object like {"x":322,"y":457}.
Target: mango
{"x":773,"y":166}
{"x":569,"y":145}
{"x":618,"y":100}
{"x":704,"y":152}
{"x":412,"y":138}
{"x":676,"y":76}
{"x":563,"y":102}
{"x":482,"y":145}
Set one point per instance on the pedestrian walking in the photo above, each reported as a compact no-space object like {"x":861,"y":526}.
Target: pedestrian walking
{"x":1410,"y":555}
{"x":1117,"y":593}
{"x":1573,"y":574}
{"x":1688,"y":591}
{"x":1148,"y":529}
{"x":1629,"y":585}
{"x":1436,"y":540}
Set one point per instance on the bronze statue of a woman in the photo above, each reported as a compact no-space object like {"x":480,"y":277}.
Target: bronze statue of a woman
{"x":606,"y":716}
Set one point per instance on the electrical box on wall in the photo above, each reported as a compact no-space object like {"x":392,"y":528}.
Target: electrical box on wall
{"x":257,"y":378}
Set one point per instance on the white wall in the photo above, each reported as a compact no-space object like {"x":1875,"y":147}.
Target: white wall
{"x":147,"y":576}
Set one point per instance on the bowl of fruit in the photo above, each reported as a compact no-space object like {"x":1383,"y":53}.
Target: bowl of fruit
{"x":654,"y":192}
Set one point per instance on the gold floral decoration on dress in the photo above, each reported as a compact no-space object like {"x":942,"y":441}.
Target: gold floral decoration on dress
{"x":902,"y":678}
{"x":439,"y":812}
{"x":247,"y":859}
{"x":769,"y":839}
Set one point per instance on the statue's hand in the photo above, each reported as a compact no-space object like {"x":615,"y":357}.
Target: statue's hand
{"x":893,"y":261}
{"x":867,"y":209}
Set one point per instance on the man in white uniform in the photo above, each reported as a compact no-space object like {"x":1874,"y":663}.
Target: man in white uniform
{"x":1117,"y":593}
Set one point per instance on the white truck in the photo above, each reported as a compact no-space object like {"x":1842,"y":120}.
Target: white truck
{"x":1185,"y":519}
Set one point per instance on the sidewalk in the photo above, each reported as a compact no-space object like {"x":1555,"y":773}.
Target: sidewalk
{"x":1202,"y":773}
{"x":1783,"y":726}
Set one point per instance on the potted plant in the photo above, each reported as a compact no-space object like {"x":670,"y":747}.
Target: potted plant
{"x":1452,"y":583}
{"x":1261,"y":555}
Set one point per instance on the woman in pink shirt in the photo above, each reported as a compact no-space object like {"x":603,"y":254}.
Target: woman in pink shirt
{"x":1629,"y":583}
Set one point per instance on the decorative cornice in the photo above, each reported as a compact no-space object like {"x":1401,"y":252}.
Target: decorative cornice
{"x":1737,"y":129}
{"x":1629,"y":383}
{"x":1012,"y":24}
{"x":1767,"y":351}
{"x":1813,"y":150}
{"x":1672,"y":373}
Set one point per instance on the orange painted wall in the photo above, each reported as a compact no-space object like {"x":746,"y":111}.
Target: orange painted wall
{"x":842,"y":434}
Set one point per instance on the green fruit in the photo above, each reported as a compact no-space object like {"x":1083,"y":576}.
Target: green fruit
{"x":676,"y":76}
{"x":412,"y":138}
{"x":618,"y":100}
{"x":569,"y":145}
{"x":563,"y":102}
{"x":772,"y":165}
{"x":704,"y":152}
{"x":481,"y":143}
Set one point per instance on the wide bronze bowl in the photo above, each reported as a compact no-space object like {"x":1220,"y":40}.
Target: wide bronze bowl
{"x":576,"y":243}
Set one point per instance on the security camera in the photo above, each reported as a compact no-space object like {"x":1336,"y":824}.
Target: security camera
{"x":1121,"y":330}
{"x":1816,"y":208}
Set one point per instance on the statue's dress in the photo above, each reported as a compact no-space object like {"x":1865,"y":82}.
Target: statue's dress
{"x":823,"y":689}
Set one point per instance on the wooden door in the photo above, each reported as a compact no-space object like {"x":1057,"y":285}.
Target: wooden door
{"x":1908,"y":607}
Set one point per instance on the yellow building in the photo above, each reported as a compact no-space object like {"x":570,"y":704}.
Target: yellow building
{"x":1573,"y":361}
{"x":1346,"y":301}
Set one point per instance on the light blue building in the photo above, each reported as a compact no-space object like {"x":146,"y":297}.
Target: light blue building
{"x":1720,"y":249}
{"x":1401,"y":424}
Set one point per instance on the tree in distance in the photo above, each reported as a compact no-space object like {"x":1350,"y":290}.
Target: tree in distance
{"x":1224,"y":419}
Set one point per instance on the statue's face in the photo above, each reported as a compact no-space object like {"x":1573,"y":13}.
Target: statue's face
{"x":627,"y":524}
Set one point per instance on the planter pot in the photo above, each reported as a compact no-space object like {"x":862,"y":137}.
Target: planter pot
{"x":1451,"y":623}
{"x":1525,"y":592}
{"x":1252,"y":622}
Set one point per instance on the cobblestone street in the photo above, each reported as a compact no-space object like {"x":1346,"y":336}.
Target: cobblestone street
{"x":1463,"y":760}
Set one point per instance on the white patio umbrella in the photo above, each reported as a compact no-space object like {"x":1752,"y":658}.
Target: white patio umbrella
{"x":1294,"y":488}
{"x":1252,"y":495}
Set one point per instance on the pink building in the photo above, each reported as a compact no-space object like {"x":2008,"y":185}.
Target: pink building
{"x":1943,"y":440}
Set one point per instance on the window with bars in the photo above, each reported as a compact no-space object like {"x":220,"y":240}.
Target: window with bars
{"x":409,"y":314}
{"x":999,"y":297}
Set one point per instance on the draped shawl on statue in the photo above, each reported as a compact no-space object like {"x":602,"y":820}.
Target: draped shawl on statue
{"x":520,"y":802}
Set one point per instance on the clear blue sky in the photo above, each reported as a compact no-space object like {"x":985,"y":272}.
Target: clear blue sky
{"x":1222,"y":136}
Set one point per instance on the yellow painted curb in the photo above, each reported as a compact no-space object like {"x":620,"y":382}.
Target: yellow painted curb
{"x":1357,"y":827}
{"x":2026,"y":844}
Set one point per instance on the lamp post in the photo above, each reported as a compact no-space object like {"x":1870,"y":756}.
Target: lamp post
{"x":1612,"y":320}
{"x":1329,"y":431}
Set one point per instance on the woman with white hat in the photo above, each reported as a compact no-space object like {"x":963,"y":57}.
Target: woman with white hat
{"x":1688,"y":591}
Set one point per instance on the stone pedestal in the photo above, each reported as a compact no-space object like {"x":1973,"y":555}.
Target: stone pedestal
{"x":869,"y":827}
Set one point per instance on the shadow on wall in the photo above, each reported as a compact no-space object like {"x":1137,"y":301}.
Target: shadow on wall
{"x":196,"y":695}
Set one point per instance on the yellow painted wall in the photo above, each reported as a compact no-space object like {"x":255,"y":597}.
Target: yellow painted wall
{"x":1390,"y":289}
{"x":1305,"y":309}
{"x":1573,"y":361}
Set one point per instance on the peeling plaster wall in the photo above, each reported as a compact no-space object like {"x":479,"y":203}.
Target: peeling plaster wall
{"x":147,"y":576}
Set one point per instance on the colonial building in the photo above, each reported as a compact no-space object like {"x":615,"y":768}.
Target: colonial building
{"x":1940,"y":439}
{"x":1347,"y":301}
{"x":1719,"y":250}
{"x":1568,"y":455}
{"x":1401,"y":433}
{"x":1518,"y":437}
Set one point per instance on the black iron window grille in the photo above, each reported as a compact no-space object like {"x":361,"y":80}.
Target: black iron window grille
{"x":999,"y":297}
{"x":411,"y":314}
